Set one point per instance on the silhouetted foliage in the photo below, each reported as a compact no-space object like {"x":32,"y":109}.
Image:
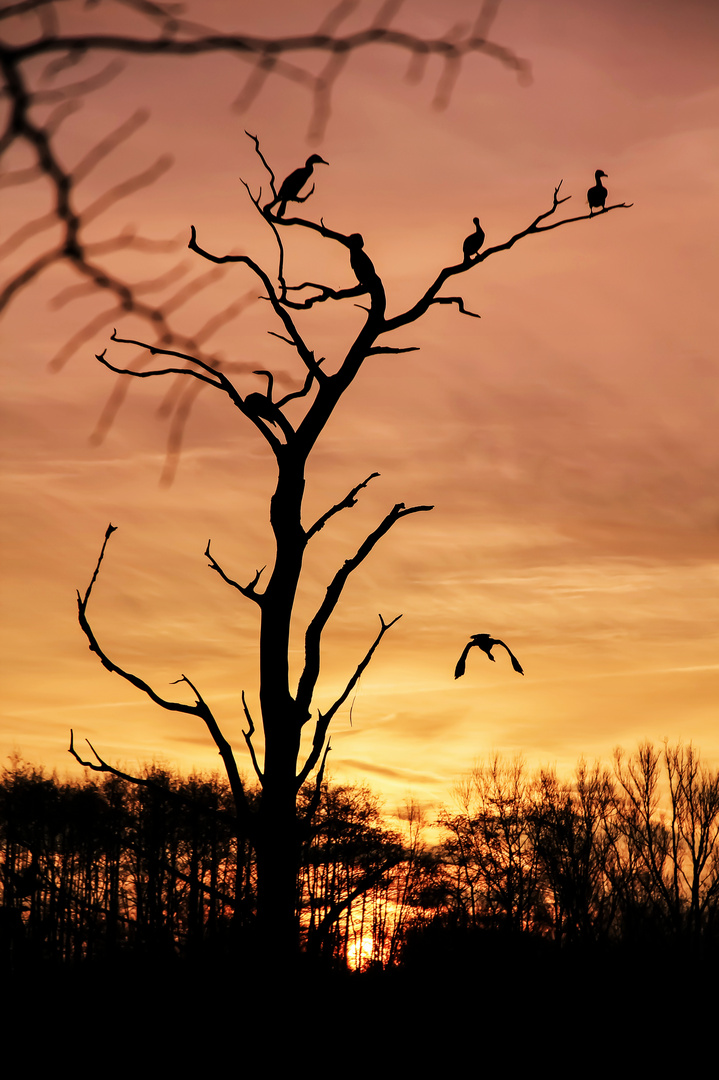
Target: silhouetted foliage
{"x":98,"y":870}
{"x":608,"y":857}
{"x":100,"y":857}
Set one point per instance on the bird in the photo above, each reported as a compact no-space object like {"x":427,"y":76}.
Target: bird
{"x":292,"y":185}
{"x":486,"y":643}
{"x":262,"y":404}
{"x":597,"y":195}
{"x":473,"y":242}
{"x":362,"y":266}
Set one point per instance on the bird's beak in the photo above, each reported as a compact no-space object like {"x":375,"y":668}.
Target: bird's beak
{"x":323,"y":162}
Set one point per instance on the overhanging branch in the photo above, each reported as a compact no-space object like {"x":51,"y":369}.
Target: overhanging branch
{"x":102,"y":766}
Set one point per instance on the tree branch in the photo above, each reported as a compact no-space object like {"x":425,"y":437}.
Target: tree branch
{"x":384,"y":627}
{"x":392,"y":350}
{"x":305,"y":354}
{"x":200,"y":708}
{"x":313,"y":634}
{"x":306,"y":387}
{"x":366,"y":882}
{"x":455,"y":300}
{"x":317,"y":793}
{"x":180,"y":37}
{"x":246,"y":590}
{"x":326,"y":292}
{"x":324,"y":719}
{"x":430,"y":296}
{"x":143,"y":781}
{"x":248,"y":739}
{"x":348,"y":501}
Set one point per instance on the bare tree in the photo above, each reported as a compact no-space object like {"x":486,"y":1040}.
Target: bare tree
{"x":290,"y":427}
{"x":569,"y":836}
{"x":694,"y":795}
{"x":671,"y":837}
{"x":491,"y":843}
{"x":39,"y":102}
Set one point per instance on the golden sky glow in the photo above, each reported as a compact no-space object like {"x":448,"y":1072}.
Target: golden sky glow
{"x":568,"y":440}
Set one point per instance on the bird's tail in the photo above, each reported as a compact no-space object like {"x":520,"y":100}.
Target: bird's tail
{"x":516,"y":664}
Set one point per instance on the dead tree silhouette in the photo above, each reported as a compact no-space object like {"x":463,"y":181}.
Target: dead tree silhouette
{"x":276,"y":828}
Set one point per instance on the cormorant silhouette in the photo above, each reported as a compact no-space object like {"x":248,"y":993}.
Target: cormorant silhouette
{"x":473,"y":242}
{"x":362,"y":266}
{"x":262,"y":404}
{"x":486,"y":643}
{"x":597,"y":195}
{"x":292,"y":185}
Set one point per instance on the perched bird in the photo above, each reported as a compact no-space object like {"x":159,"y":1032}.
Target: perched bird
{"x":486,"y":643}
{"x":597,"y":195}
{"x":362,"y":266}
{"x":474,"y":241}
{"x":262,"y":404}
{"x":292,"y":185}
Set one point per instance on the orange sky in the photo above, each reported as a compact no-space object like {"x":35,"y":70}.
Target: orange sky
{"x":568,"y":440}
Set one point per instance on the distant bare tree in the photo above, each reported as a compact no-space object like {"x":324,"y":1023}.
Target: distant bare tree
{"x":490,"y":842}
{"x":670,"y":856}
{"x":568,"y":832}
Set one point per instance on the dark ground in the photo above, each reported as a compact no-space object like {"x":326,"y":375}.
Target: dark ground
{"x":482,"y":1002}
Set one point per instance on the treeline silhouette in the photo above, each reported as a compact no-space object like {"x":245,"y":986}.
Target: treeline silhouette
{"x":98,"y":869}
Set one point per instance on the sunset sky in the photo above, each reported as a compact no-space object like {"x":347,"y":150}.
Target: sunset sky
{"x":568,"y":439}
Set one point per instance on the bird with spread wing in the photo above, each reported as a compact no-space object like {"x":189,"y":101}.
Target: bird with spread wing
{"x":486,"y":643}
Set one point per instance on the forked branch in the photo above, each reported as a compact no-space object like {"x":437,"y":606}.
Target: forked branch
{"x":313,"y":634}
{"x":200,"y":708}
{"x":324,"y":719}
{"x":305,"y":354}
{"x":246,"y":590}
{"x":430,"y":296}
{"x":214,"y":376}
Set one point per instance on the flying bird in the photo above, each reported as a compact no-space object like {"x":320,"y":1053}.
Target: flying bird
{"x":597,"y":195}
{"x":474,"y":241}
{"x":486,"y":643}
{"x":292,"y":185}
